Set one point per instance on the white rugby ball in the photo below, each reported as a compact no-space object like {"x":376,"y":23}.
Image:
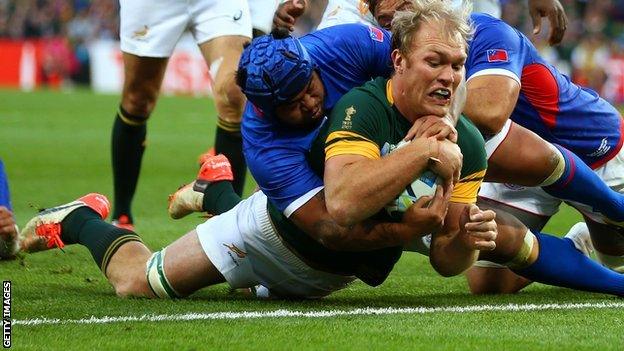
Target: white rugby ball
{"x":424,"y":185}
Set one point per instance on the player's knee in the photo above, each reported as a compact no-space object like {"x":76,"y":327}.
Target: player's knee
{"x":131,"y":288}
{"x":229,"y":100}
{"x":556,"y":165}
{"x":139,"y":103}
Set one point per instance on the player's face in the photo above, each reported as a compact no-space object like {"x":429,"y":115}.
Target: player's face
{"x":428,"y":76}
{"x":306,"y":109}
{"x":385,"y":9}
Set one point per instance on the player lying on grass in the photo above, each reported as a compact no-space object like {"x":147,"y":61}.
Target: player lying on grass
{"x":286,"y":177}
{"x":502,"y":58}
{"x":242,"y":246}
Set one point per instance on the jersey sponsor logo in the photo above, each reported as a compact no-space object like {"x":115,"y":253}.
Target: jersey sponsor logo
{"x":602,"y":150}
{"x":140,"y":34}
{"x":376,"y":34}
{"x":349,"y":112}
{"x":497,"y":55}
{"x":240,"y":253}
{"x":238,"y":16}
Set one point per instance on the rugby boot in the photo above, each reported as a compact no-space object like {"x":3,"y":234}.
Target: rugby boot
{"x":579,"y":234}
{"x":123,"y":222}
{"x":189,"y":198}
{"x":43,"y":231}
{"x":205,"y":156}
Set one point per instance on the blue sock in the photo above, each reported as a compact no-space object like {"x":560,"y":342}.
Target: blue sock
{"x":580,"y":184}
{"x":560,"y":263}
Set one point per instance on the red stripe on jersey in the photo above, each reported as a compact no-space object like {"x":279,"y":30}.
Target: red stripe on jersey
{"x":540,"y":87}
{"x":613,"y":152}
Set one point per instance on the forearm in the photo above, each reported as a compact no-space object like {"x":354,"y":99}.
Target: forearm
{"x":360,"y":189}
{"x":450,"y":255}
{"x":366,"y":236}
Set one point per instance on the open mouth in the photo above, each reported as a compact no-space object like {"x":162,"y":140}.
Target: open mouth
{"x":442,"y":95}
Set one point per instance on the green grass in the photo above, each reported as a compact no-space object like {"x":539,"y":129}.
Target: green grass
{"x":56,"y":147}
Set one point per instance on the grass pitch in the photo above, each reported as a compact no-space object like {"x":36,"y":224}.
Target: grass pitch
{"x":56,"y":147}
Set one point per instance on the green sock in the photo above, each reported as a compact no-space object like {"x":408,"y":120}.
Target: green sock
{"x":127,"y":146}
{"x":229,"y":142}
{"x":85,"y":227}
{"x":219,"y":197}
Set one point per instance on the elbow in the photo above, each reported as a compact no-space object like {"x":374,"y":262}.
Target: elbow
{"x":341,"y":212}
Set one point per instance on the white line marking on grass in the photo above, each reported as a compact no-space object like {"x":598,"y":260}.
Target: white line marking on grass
{"x":318,"y":314}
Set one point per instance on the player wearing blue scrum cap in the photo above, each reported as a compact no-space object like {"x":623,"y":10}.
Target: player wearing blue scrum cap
{"x":281,"y":144}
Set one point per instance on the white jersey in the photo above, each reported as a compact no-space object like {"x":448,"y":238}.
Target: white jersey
{"x":357,"y":11}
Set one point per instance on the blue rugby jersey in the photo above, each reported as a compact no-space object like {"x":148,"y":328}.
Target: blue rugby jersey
{"x":347,"y":56}
{"x":549,"y":104}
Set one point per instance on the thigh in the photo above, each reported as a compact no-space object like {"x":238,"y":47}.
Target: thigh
{"x":521,"y":157}
{"x":187,"y":267}
{"x":151,"y":28}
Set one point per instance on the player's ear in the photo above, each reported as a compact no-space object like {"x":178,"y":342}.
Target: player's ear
{"x":397,"y":61}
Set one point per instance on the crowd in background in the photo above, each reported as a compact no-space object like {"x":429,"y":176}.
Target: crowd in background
{"x":592,"y":52}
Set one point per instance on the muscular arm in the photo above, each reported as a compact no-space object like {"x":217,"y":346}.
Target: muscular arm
{"x":490,"y":101}
{"x":466,"y":231}
{"x":367,"y":235}
{"x":358,"y":187}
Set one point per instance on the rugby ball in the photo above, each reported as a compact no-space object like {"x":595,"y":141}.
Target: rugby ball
{"x":424,"y":185}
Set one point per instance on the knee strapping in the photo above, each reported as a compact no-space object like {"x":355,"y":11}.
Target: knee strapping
{"x":156,"y":279}
{"x":521,"y":259}
{"x":559,"y":168}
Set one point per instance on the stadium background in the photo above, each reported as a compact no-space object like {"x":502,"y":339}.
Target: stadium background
{"x":67,"y":43}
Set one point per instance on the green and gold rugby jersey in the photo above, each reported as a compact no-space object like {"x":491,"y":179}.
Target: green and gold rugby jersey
{"x":365,"y":120}
{"x":362,"y":122}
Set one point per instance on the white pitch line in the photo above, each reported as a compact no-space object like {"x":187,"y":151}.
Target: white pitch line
{"x":316,"y":314}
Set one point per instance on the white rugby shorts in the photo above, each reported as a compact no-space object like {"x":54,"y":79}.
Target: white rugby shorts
{"x":262,"y":12}
{"x":537,"y":201}
{"x":243,"y":245}
{"x":151,"y":28}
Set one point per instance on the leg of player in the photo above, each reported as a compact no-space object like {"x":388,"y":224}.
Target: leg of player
{"x":222,"y":55}
{"x":557,"y":170}
{"x":548,"y":259}
{"x":608,"y":241}
{"x":142,"y":80}
{"x":175,"y":271}
{"x":129,"y":265}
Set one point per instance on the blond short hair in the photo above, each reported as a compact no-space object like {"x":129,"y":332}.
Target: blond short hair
{"x":406,"y":24}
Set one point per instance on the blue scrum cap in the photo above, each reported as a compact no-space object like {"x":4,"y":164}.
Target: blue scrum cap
{"x":273,"y":71}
